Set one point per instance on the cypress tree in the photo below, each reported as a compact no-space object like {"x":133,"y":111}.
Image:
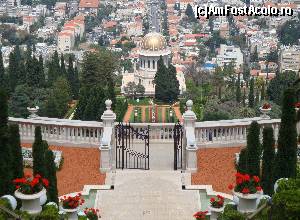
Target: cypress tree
{"x":242,"y":164}
{"x":238,"y":89}
{"x":268,"y":146}
{"x":256,"y":98}
{"x":161,"y":80}
{"x":286,"y":157}
{"x":263,"y":91}
{"x":251,"y":94}
{"x":63,"y":71}
{"x":77,"y":83}
{"x":38,"y":153}
{"x":244,"y":98}
{"x":5,"y":151}
{"x":253,"y":149}
{"x":174,"y":84}
{"x":13,"y":71}
{"x":111,"y":92}
{"x":82,"y":102}
{"x":41,"y":73}
{"x":71,"y":76}
{"x":54,"y":68}
{"x":16,"y":151}
{"x":3,"y":83}
{"x":52,"y":194}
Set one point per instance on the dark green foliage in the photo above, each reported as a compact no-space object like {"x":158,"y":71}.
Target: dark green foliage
{"x":263,"y":92}
{"x":34,"y":72}
{"x":53,"y":69}
{"x":14,"y":69}
{"x":189,"y":12}
{"x":279,"y":84}
{"x":286,"y":157}
{"x":4,"y":203}
{"x":251,"y":94}
{"x":238,"y":89}
{"x":16,"y":151}
{"x":254,"y":55}
{"x":289,"y":32}
{"x":3,"y":77}
{"x":242,"y":166}
{"x":63,"y":71}
{"x":289,"y":184}
{"x":120,"y":109}
{"x":38,"y":153}
{"x":286,"y":205}
{"x":5,"y":151}
{"x":52,"y":193}
{"x":72,"y":77}
{"x":166,"y":83}
{"x":50,"y":212}
{"x":19,"y":101}
{"x":253,"y":150}
{"x":230,"y":213}
{"x":267,"y":179}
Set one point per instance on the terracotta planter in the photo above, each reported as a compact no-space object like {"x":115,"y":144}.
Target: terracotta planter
{"x":247,"y":202}
{"x":215,"y":212}
{"x":71,"y":213}
{"x":265,"y":112}
{"x":31,"y":203}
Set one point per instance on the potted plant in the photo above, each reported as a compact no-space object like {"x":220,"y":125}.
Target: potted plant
{"x":29,"y":190}
{"x":92,"y":214}
{"x":248,"y":190}
{"x":70,"y":205}
{"x":216,"y":207}
{"x":265,"y":109}
{"x":200,"y":215}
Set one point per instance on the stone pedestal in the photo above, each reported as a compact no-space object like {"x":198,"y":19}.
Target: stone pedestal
{"x":71,"y":213}
{"x":189,"y":119}
{"x":215,"y":212}
{"x":107,"y":160}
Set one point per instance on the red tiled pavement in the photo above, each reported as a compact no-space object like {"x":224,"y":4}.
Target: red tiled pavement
{"x":216,"y":168}
{"x":80,"y":167}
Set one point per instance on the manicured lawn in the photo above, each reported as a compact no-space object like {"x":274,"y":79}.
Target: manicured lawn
{"x":142,"y":101}
{"x":159,"y":114}
{"x":139,"y":115}
{"x":147,"y":114}
{"x":168,"y":119}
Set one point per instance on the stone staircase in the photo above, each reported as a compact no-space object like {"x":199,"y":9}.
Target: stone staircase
{"x":148,"y":195}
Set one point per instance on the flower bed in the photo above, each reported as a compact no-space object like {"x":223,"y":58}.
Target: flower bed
{"x":28,"y":161}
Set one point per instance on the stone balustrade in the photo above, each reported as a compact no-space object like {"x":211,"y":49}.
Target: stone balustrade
{"x":61,"y":132}
{"x":229,"y":133}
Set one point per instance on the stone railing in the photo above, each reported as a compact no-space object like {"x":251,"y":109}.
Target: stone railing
{"x":158,"y":132}
{"x":229,"y":133}
{"x":61,"y":132}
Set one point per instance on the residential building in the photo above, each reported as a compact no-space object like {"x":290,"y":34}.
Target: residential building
{"x":289,"y":58}
{"x":89,"y":6}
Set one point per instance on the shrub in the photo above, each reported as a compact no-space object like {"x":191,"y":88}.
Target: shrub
{"x":286,"y":205}
{"x":50,"y":212}
{"x":230,"y":213}
{"x":5,"y":203}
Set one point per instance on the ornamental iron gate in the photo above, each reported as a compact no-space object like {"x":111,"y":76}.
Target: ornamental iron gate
{"x":132,"y":147}
{"x":178,"y":134}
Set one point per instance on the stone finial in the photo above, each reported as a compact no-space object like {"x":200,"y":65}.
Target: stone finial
{"x":189,"y":104}
{"x":108,"y":104}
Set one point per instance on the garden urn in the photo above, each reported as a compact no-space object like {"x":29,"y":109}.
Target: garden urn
{"x":215,"y":212}
{"x":71,"y":213}
{"x":247,"y":202}
{"x":31,"y":202}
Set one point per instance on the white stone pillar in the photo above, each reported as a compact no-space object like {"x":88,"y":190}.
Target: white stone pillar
{"x":107,"y":160}
{"x":189,"y":119}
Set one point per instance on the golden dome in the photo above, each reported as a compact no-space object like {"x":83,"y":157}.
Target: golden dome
{"x":154,"y":42}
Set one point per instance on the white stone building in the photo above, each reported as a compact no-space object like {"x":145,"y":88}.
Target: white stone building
{"x":228,"y":54}
{"x":152,"y":47}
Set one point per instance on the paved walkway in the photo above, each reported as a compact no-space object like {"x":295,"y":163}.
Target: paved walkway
{"x":148,"y":195}
{"x":128,"y":113}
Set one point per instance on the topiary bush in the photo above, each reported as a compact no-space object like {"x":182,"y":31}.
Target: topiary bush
{"x":230,"y":213}
{"x":5,"y":203}
{"x":50,"y":212}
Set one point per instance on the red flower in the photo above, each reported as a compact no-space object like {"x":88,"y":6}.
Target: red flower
{"x":220,"y":203}
{"x":38,"y":176}
{"x":220,"y":197}
{"x":247,"y":177}
{"x":212,"y":199}
{"x":17,"y":187}
{"x":297,"y":105}
{"x":245,"y":191}
{"x":34,"y":182}
{"x":45,"y":182}
{"x":258,"y":188}
{"x":256,"y":179}
{"x":266,"y":106}
{"x":230,"y":187}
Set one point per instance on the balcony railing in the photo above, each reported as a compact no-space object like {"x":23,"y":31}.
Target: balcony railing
{"x":229,"y":133}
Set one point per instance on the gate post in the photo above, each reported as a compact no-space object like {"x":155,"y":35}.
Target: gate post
{"x":107,"y":159}
{"x":189,"y":119}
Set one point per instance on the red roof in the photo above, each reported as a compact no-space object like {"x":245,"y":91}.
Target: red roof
{"x":89,"y":4}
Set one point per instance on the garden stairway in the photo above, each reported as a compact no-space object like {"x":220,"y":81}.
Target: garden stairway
{"x":148,"y":195}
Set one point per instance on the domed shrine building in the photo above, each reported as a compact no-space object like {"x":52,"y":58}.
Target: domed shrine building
{"x":152,"y":47}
